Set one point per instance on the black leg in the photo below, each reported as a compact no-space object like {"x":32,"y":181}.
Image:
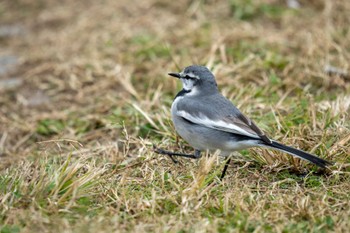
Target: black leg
{"x":173,"y":159}
{"x":196,"y":155}
{"x":225,"y":168}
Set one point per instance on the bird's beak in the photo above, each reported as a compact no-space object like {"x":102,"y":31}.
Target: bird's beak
{"x":176,"y":75}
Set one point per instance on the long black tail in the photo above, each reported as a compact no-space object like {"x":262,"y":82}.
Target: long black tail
{"x":299,"y":153}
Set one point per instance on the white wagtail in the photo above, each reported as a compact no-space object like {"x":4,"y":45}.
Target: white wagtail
{"x":208,"y":121}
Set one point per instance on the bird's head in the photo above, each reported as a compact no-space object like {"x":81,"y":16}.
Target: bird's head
{"x":198,"y":78}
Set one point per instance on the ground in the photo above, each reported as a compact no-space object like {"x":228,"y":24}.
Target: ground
{"x":84,"y":93}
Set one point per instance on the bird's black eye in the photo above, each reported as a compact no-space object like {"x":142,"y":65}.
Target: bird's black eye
{"x":188,"y":77}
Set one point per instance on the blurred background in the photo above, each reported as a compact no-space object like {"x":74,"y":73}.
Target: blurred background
{"x":85,"y":70}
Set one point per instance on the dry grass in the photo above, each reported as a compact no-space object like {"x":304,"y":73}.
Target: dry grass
{"x":87,"y":95}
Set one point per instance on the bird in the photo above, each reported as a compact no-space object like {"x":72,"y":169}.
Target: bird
{"x":208,"y":121}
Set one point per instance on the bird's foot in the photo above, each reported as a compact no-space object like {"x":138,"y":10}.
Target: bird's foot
{"x":164,"y":152}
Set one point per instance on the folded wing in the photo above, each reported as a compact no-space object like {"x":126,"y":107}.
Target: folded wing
{"x":226,"y":118}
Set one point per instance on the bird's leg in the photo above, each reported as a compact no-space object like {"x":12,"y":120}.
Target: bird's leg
{"x":196,"y":155}
{"x":173,"y":159}
{"x":225,"y":168}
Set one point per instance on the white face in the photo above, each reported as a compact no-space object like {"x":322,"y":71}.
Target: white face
{"x":187,"y":84}
{"x":188,"y":80}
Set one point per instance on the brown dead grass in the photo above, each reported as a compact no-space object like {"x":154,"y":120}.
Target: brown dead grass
{"x":98,"y":69}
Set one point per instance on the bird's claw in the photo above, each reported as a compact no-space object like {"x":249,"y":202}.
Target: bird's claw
{"x":157,"y":150}
{"x":163,"y":152}
{"x":174,"y":160}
